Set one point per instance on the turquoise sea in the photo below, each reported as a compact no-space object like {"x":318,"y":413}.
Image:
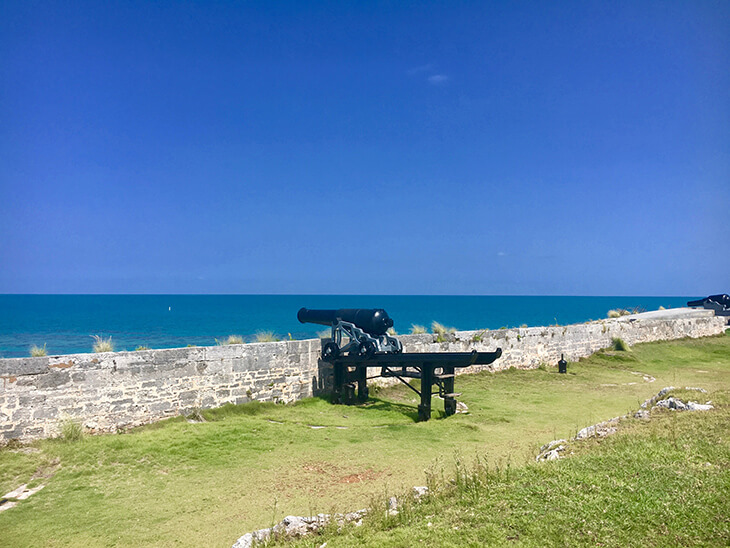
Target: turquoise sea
{"x":65,"y":323}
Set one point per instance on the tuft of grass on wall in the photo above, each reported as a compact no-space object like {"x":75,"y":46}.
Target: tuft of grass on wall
{"x":417,"y":329}
{"x":71,"y":430}
{"x":232,"y":339}
{"x":440,"y":329}
{"x":620,"y":345}
{"x":38,"y":351}
{"x":266,"y":336}
{"x":141,"y":347}
{"x":618,"y":312}
{"x":102,"y":345}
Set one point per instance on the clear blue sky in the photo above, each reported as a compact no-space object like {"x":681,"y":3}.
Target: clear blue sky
{"x":558,"y":148}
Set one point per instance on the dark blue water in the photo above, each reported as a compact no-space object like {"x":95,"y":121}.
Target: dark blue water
{"x":65,"y":323}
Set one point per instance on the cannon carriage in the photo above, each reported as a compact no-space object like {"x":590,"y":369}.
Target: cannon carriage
{"x":360,"y":341}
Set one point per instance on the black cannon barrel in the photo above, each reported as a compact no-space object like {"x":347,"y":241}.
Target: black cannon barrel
{"x":723,"y":299}
{"x":374,"y":321}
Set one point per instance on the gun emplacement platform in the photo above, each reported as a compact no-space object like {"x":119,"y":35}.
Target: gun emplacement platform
{"x":360,"y":341}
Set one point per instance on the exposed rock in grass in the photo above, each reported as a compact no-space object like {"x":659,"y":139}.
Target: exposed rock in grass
{"x":602,"y":429}
{"x":553,"y":450}
{"x":694,"y":406}
{"x":298,"y":526}
{"x":21,"y":493}
{"x":664,"y":391}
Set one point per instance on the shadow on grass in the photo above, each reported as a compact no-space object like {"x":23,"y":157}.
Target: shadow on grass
{"x":392,"y":407}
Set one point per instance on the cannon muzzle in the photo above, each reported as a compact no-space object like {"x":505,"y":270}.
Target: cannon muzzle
{"x":374,"y":321}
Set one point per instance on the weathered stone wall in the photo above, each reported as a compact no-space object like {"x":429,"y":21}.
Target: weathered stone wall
{"x":114,"y":390}
{"x":529,"y":347}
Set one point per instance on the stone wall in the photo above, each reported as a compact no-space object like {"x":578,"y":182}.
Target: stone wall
{"x":116,"y":390}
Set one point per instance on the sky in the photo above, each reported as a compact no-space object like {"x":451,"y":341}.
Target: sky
{"x":490,"y":148}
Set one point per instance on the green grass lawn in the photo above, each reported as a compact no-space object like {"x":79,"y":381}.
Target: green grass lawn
{"x":657,"y":483}
{"x":204,"y":484}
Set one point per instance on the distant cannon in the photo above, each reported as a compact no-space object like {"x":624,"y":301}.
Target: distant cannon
{"x":719,"y":303}
{"x":360,"y":330}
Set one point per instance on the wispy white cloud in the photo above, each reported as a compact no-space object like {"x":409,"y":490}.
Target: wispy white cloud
{"x":420,"y":70}
{"x":438,"y":79}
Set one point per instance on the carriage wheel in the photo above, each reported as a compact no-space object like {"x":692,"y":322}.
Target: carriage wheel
{"x":367,"y":349}
{"x":330,"y":351}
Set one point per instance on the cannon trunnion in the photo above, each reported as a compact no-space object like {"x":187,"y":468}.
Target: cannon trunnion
{"x":360,"y":341}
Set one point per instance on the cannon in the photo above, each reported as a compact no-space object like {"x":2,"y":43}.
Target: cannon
{"x":360,"y":343}
{"x":719,"y":303}
{"x":363,"y":331}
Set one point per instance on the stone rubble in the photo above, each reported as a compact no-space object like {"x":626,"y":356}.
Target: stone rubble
{"x":553,"y":450}
{"x":664,"y":391}
{"x":298,"y":526}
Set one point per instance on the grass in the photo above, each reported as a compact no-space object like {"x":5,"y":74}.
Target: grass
{"x":71,"y":430}
{"x":38,"y":351}
{"x":658,"y":483}
{"x":418,"y":329}
{"x":180,"y":483}
{"x":232,"y":339}
{"x":441,"y":331}
{"x":102,"y":345}
{"x":620,"y":345}
{"x":141,"y":347}
{"x":618,"y":312}
{"x":266,"y":336}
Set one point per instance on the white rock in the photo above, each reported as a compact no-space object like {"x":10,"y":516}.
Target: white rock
{"x":694,"y":406}
{"x":7,"y":505}
{"x":420,"y":492}
{"x":552,"y":444}
{"x":291,"y":526}
{"x":672,"y":403}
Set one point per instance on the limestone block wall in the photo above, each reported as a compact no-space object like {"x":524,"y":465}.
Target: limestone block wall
{"x":117,"y":390}
{"x":529,"y":347}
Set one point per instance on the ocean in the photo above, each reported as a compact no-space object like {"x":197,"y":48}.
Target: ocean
{"x":66,"y":323}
